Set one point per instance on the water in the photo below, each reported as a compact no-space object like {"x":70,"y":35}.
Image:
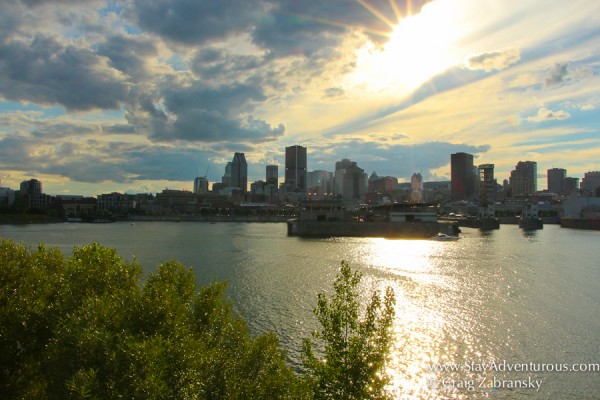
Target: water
{"x":505,"y":299}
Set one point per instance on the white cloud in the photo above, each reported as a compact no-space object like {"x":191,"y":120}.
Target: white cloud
{"x":545,"y":114}
{"x":495,"y":60}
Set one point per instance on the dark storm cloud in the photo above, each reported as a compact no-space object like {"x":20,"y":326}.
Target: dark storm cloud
{"x":128,"y":53}
{"x":61,"y":130}
{"x":205,"y":114}
{"x":195,"y":21}
{"x":313,"y":26}
{"x":46,"y":72}
{"x":211,"y":63}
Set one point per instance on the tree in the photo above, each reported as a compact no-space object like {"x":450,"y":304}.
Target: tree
{"x":355,"y":350}
{"x":86,"y":327}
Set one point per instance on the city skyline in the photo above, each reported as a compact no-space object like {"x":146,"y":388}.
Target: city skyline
{"x":122,"y":96}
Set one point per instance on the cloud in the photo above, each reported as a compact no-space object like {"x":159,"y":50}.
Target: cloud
{"x":400,"y":160}
{"x":202,"y":113}
{"x":545,"y":114}
{"x":45,"y":71}
{"x":495,"y":60}
{"x":333,"y":92}
{"x":193,"y":22}
{"x":557,"y":74}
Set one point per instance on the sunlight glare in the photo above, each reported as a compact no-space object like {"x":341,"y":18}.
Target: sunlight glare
{"x":420,"y":47}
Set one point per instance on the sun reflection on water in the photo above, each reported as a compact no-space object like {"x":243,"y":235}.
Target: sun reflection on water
{"x":435,"y":323}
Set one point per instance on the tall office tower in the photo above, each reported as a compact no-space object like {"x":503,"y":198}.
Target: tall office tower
{"x":340,"y":170}
{"x":200,"y":184}
{"x":32,"y":186}
{"x":319,"y":182}
{"x":556,"y":180}
{"x":239,"y":172}
{"x":295,"y":168}
{"x":226,"y":179}
{"x":355,"y":183}
{"x":462,"y":174}
{"x":571,"y":184}
{"x":272,"y":175}
{"x":487,"y":185}
{"x":591,"y":181}
{"x":523,"y":179}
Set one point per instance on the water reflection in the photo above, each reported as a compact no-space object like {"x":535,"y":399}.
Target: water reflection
{"x":436,"y":317}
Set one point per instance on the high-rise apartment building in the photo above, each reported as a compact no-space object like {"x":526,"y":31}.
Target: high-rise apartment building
{"x":462,"y":174}
{"x":523,"y":179}
{"x":31,"y":187}
{"x":239,"y":172}
{"x":556,"y":180}
{"x":295,"y":168}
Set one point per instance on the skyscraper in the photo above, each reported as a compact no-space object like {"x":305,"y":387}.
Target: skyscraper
{"x":462,"y":185}
{"x":272,"y":175}
{"x":31,"y":187}
{"x":239,"y":172}
{"x":295,"y":168}
{"x":200,"y":184}
{"x":523,"y":179}
{"x":556,"y":180}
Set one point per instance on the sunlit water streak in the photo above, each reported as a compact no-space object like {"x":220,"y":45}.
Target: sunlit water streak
{"x":503,"y":295}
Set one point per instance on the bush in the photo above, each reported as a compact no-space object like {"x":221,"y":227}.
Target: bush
{"x":87,"y":328}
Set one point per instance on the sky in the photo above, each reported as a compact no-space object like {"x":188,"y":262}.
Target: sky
{"x":138,"y":96}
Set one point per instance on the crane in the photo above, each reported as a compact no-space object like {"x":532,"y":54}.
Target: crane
{"x":3,"y":177}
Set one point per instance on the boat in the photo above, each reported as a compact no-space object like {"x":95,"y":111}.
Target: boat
{"x":530,"y":220}
{"x":442,"y":237}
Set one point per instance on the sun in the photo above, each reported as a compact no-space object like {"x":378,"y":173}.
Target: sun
{"x":419,"y":47}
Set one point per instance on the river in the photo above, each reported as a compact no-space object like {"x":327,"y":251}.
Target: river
{"x":500,"y":314}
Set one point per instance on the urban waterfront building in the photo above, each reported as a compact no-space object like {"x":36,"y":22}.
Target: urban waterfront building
{"x":571,"y":185}
{"x":487,"y":185}
{"x":416,"y":185}
{"x":200,"y":185}
{"x":591,"y":181}
{"x":523,"y":179}
{"x":239,"y":172}
{"x":350,"y":181}
{"x":319,"y":183}
{"x":295,"y":168}
{"x":462,"y":172}
{"x":31,"y":187}
{"x":272,"y":175}
{"x":556,"y":180}
{"x":226,"y":179}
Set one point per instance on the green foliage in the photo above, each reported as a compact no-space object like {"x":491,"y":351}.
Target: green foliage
{"x":87,"y":328}
{"x":355,"y":350}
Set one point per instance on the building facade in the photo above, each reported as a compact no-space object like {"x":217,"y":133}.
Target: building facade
{"x":239,"y":172}
{"x":487,"y":185}
{"x":295,"y":168}
{"x":462,"y":186}
{"x":200,"y":185}
{"x":591,"y":181}
{"x":556,"y":180}
{"x":523,"y":179}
